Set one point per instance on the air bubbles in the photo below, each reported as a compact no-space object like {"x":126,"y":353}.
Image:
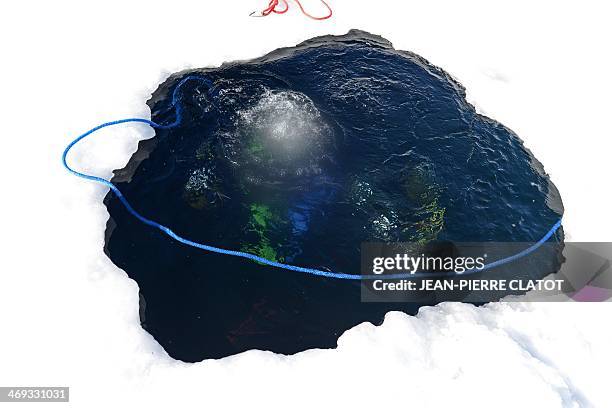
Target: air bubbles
{"x":284,"y":133}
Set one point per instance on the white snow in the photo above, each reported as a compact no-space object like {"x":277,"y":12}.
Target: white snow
{"x":70,"y":318}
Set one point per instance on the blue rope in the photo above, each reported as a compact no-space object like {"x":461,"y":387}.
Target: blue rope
{"x":246,"y":255}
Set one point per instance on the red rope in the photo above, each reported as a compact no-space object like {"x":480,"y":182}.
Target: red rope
{"x":273,"y":8}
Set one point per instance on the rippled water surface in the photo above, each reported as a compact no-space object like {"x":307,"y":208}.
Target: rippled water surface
{"x":300,"y":156}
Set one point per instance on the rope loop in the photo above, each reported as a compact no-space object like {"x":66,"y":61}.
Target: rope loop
{"x":209,"y":248}
{"x":273,"y":7}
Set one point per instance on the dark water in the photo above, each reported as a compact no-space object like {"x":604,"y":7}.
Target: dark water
{"x":300,"y":156}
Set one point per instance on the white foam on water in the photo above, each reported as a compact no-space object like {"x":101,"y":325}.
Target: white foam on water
{"x":288,"y":132}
